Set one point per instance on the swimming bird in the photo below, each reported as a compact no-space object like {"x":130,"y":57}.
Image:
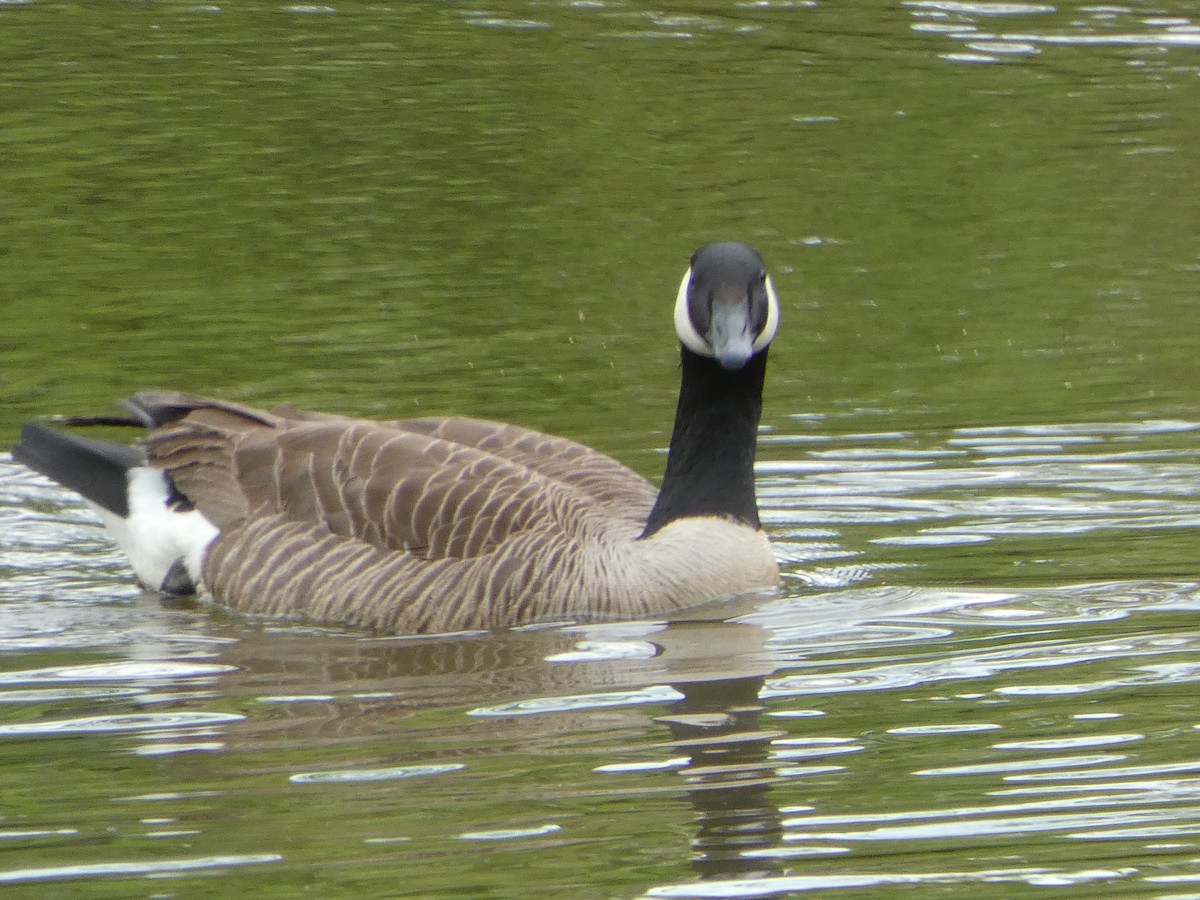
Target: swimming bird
{"x":446,"y":524}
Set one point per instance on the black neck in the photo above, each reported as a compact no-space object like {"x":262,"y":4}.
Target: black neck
{"x":710,"y":463}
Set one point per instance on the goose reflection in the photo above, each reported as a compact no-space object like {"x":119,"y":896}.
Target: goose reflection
{"x":729,"y":777}
{"x":717,"y":670}
{"x":703,"y":676}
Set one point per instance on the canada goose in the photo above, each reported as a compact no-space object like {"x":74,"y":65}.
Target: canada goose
{"x":451,"y":523}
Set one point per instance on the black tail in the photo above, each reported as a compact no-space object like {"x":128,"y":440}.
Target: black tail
{"x":95,"y":469}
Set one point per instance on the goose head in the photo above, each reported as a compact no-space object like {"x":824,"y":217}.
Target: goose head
{"x":726,"y":308}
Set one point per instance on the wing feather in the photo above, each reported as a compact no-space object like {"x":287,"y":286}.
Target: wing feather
{"x":434,"y":488}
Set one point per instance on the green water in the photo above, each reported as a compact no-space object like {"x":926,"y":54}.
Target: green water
{"x":437,"y":207}
{"x":979,"y":466}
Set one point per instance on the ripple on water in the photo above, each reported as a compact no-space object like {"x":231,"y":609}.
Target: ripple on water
{"x":969,"y":57}
{"x":1148,"y":790}
{"x":600,"y":651}
{"x":1006,"y":48}
{"x":827,"y":577}
{"x":510,"y":834}
{"x":783,"y":885}
{"x":138,"y":671}
{"x":828,"y":613}
{"x":117,"y":723}
{"x":1108,"y":773}
{"x":171,"y":748}
{"x":514,"y":24}
{"x":813,"y":748}
{"x":655,"y":765}
{"x":571,"y":703}
{"x":980,"y":8}
{"x":1059,"y":814}
{"x":847,"y":640}
{"x":1018,"y":767}
{"x":934,"y":538}
{"x":1071,"y":743}
{"x":1004,"y":482}
{"x":1020,"y":656}
{"x":938,"y":730}
{"x":1077,"y":603}
{"x":355,"y":776}
{"x":58,"y":695}
{"x":125,"y":869}
{"x":1097,"y":29}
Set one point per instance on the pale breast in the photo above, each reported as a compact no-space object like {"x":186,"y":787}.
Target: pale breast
{"x":685,"y":563}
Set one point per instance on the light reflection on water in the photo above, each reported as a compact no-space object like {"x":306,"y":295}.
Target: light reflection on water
{"x":1021,"y":698}
{"x":994,"y":32}
{"x":159,"y":868}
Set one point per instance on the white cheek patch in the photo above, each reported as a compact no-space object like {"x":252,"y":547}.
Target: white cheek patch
{"x":769,"y":329}
{"x":688,"y":335}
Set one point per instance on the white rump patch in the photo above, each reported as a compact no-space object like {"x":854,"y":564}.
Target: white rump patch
{"x":154,"y":536}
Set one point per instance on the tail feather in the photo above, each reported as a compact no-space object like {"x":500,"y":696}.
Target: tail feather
{"x":154,"y":409}
{"x":96,"y":469}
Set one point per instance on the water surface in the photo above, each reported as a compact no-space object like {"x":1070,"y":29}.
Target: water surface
{"x":978,"y":463}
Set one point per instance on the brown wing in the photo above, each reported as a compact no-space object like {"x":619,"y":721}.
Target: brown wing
{"x":438,"y":489}
{"x":600,"y":477}
{"x":195,"y":442}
